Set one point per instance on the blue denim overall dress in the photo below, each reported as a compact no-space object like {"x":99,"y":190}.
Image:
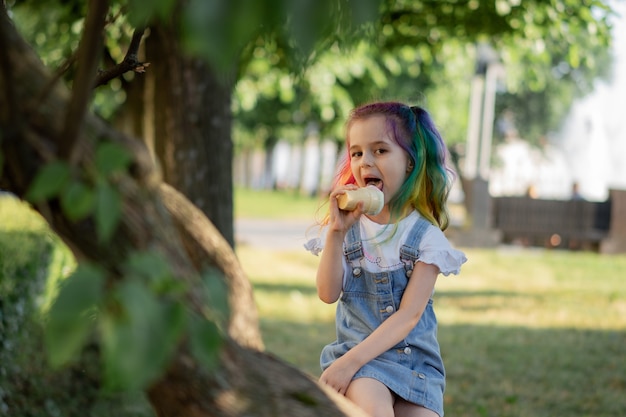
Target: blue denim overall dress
{"x":413,"y":369}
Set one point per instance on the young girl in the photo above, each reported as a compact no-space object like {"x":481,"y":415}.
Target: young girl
{"x":382,"y":268}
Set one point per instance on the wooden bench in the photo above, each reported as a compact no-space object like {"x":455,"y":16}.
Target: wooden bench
{"x":573,"y":224}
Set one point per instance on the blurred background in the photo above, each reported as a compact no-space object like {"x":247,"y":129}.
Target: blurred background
{"x":555,"y":115}
{"x":255,"y":95}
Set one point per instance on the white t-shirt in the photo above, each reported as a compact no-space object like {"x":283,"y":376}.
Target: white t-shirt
{"x":382,"y":254}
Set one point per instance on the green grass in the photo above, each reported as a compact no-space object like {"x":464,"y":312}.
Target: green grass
{"x":265,"y":204}
{"x":523,"y":332}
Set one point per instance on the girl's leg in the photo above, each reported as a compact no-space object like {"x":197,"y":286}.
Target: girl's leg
{"x":372,"y":396}
{"x":403,"y":408}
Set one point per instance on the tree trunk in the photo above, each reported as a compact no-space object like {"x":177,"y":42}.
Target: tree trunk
{"x":192,"y":125}
{"x":247,"y":382}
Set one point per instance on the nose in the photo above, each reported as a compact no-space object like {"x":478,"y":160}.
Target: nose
{"x":366,"y":160}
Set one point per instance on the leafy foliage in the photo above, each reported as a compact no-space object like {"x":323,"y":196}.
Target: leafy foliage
{"x":82,"y":195}
{"x":70,"y":319}
{"x":139,"y":334}
{"x":428,"y":49}
{"x":291,"y":56}
{"x":140,"y":321}
{"x":147,"y":306}
{"x":32,"y":263}
{"x":107,"y":210}
{"x":220,"y":30}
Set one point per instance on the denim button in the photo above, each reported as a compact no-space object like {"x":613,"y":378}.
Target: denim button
{"x":407,"y":350}
{"x":409,"y":272}
{"x":356,"y":271}
{"x":389,"y":309}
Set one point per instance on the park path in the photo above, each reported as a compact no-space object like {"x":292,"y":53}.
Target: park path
{"x":272,"y":233}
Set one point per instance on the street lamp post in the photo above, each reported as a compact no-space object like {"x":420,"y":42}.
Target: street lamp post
{"x":481,"y":112}
{"x":478,"y":149}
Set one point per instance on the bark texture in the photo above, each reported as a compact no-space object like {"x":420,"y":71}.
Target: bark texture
{"x":192,"y":126}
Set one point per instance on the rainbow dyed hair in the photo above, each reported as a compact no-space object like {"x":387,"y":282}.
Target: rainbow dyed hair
{"x":427,"y":186}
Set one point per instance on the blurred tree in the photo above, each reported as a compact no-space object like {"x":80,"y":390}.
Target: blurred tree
{"x":425,"y":52}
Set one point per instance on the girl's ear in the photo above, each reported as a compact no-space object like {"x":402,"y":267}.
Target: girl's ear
{"x":409,"y":167}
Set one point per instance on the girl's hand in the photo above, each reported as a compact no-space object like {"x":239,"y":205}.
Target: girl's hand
{"x":342,"y":220}
{"x":339,"y":375}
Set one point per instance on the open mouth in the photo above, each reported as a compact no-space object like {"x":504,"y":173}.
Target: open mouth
{"x":376,"y":182}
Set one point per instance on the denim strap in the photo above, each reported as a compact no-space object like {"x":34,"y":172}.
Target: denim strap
{"x":409,"y":252}
{"x":352,"y":248}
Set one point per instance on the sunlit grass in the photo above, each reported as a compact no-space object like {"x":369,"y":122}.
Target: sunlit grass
{"x":267,"y":204}
{"x":295,"y":324}
{"x":536,"y":288}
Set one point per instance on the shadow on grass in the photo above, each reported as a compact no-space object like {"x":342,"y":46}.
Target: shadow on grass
{"x":298,"y":343}
{"x":474,"y":294}
{"x":488,"y":300}
{"x":285,"y":288}
{"x":309,"y":289}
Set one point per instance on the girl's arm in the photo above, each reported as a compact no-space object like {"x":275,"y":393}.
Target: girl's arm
{"x":329,"y":278}
{"x":390,"y":332}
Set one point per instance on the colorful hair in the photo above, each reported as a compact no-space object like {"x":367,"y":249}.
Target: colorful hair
{"x":427,"y":187}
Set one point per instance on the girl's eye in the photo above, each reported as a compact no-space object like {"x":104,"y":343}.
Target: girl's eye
{"x":356,"y":154}
{"x":380,"y":151}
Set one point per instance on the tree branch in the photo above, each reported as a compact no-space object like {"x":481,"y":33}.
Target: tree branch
{"x":6,"y":69}
{"x":130,"y":62}
{"x":88,"y":53}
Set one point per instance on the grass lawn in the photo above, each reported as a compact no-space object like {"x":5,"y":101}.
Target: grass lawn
{"x":523,"y":332}
{"x":266,"y":204}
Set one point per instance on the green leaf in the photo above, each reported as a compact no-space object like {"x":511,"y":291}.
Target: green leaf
{"x":69,"y":321}
{"x":111,"y":157}
{"x":574,"y":56}
{"x":49,"y":181}
{"x":152,"y":266}
{"x":139,"y":339}
{"x":205,"y":341}
{"x":363,"y":11}
{"x":148,"y":264}
{"x":310,"y":21}
{"x":108,"y":210}
{"x":217,"y":294}
{"x":219,"y":29}
{"x":77,"y":200}
{"x":140,"y":12}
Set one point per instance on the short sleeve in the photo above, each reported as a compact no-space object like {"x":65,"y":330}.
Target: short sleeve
{"x":314,"y":246}
{"x":435,"y":249}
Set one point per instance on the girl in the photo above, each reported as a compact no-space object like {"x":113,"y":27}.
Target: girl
{"x":382,"y":268}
